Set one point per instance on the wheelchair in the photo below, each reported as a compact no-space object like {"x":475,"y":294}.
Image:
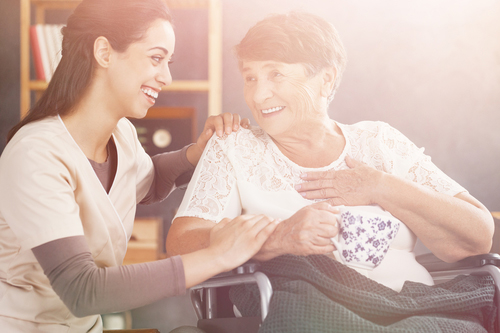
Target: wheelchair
{"x":203,"y":296}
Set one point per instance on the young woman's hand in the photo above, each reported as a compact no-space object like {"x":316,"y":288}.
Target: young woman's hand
{"x":232,"y":243}
{"x":225,"y":123}
{"x":236,"y":241}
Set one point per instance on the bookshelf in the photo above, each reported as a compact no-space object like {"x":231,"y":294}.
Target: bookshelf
{"x":145,"y":242}
{"x":212,"y":86}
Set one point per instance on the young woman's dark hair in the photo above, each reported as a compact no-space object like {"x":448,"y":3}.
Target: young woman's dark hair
{"x":121,"y":25}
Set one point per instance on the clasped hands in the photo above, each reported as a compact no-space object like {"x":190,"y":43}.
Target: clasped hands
{"x":309,"y":231}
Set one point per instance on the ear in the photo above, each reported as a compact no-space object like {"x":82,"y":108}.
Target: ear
{"x":329,"y":76}
{"x":102,"y":51}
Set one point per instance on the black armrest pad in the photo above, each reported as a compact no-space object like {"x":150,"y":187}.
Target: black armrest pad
{"x":249,"y":267}
{"x":433,"y":263}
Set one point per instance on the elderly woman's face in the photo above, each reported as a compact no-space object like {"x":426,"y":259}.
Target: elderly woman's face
{"x":282,"y":97}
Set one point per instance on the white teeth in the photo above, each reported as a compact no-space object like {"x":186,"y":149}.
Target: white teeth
{"x":150,"y":92}
{"x":277,"y":108}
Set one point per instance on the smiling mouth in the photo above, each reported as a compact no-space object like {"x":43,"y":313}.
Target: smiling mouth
{"x":271,"y":110}
{"x":151,"y":94}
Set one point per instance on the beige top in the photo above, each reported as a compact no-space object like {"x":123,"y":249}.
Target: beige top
{"x":50,"y":191}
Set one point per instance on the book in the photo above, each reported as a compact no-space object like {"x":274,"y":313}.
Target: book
{"x":58,"y":37}
{"x":44,"y":52}
{"x":37,"y":57}
{"x":51,"y":47}
{"x":46,"y":44}
{"x":54,"y":40}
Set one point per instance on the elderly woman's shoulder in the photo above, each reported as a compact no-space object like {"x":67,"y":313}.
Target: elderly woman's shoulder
{"x":253,"y":139}
{"x":368,"y":125}
{"x":242,"y":135}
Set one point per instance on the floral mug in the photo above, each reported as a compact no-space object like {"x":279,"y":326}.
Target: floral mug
{"x":365,"y":234}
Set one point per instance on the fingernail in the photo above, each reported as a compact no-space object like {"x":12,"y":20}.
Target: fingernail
{"x":298,"y":187}
{"x":219,"y":133}
{"x":235,"y":127}
{"x":303,"y":176}
{"x":303,"y":194}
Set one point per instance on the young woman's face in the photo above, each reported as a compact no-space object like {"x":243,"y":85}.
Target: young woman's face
{"x":139,"y":73}
{"x":281,"y":96}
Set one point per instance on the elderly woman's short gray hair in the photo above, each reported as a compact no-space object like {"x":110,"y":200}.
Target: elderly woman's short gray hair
{"x":297,"y":37}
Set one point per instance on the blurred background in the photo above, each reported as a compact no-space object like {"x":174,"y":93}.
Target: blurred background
{"x":430,"y":68}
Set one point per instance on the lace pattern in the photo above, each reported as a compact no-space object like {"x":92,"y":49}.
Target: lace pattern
{"x":252,"y":156}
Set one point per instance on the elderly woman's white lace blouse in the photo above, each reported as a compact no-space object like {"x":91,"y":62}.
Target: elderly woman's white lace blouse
{"x":246,"y":172}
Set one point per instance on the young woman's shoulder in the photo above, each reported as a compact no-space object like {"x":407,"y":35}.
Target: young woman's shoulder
{"x":46,"y":134}
{"x":40,"y":147}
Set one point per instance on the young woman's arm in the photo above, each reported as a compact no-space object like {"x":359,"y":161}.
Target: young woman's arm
{"x":169,"y":168}
{"x":87,"y":289}
{"x":176,"y":167}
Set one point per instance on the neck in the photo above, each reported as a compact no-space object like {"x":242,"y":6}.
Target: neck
{"x":316,"y":145}
{"x":91,"y":126}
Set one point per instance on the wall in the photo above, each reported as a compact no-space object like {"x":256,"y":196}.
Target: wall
{"x":429,"y":68}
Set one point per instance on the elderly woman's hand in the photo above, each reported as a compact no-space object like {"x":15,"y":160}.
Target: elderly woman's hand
{"x":308,"y":231}
{"x":220,"y":124}
{"x":359,"y":185}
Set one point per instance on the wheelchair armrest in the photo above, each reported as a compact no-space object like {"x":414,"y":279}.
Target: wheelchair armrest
{"x":246,"y":273}
{"x":434,"y":264}
{"x":249,"y":267}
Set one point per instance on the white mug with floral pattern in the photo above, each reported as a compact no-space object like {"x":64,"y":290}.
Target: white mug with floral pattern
{"x":365,"y":234}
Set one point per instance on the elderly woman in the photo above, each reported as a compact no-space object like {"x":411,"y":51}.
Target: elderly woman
{"x":292,"y":66}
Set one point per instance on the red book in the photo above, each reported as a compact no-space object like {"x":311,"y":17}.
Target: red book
{"x":37,"y":56}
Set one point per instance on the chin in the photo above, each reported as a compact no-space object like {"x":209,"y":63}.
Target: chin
{"x":139,"y":114}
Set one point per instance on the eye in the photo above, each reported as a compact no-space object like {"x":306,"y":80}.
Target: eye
{"x":158,"y":58}
{"x":276,"y":74}
{"x":250,"y":78}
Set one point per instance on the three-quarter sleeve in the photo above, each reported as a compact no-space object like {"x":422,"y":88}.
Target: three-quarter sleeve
{"x":169,"y":167}
{"x":410,"y":162}
{"x":38,"y":193}
{"x":212,"y":193}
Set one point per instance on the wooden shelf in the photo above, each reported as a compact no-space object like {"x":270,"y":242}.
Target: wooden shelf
{"x":145,"y":241}
{"x":213,"y":86}
{"x":179,"y":85}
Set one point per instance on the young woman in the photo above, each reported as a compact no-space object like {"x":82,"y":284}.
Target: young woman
{"x":74,"y":170}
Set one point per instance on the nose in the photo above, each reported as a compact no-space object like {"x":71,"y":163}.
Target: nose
{"x":263,"y":91}
{"x":164,"y":77}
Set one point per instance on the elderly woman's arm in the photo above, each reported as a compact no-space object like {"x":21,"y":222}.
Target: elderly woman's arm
{"x":451,"y":227}
{"x":306,"y":232}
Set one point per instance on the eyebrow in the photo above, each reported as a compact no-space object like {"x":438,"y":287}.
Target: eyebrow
{"x":160,"y":48}
{"x":272,"y":65}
